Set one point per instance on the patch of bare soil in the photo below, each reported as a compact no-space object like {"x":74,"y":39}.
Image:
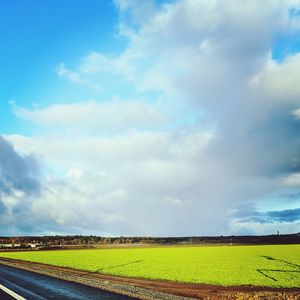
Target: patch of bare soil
{"x":148,"y":289}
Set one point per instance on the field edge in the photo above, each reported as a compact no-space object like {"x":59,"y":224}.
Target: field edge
{"x":159,"y":289}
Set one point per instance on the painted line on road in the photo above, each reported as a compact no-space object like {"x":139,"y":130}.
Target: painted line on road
{"x":11,"y":293}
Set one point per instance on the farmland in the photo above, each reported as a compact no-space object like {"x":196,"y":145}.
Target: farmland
{"x":272,"y":265}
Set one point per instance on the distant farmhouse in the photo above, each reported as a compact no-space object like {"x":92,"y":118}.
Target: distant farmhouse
{"x":18,"y":243}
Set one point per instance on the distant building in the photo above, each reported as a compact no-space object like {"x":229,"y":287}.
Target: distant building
{"x":6,"y":245}
{"x":34,"y":245}
{"x":10,"y":245}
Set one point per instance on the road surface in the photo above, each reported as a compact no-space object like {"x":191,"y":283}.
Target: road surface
{"x":33,"y":286}
{"x":5,"y":296}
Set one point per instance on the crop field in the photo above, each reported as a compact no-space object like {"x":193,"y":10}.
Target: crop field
{"x":272,"y":265}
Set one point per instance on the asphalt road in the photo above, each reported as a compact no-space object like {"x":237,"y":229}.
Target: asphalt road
{"x":33,"y":286}
{"x":4,"y":296}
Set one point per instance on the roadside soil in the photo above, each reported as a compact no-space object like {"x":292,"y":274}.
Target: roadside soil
{"x":148,"y":289}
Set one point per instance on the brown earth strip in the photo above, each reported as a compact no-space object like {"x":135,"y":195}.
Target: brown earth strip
{"x":148,"y":289}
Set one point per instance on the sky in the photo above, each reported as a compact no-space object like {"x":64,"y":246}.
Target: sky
{"x":149,"y":117}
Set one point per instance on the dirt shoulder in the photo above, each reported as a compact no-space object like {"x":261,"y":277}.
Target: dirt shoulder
{"x":147,"y":289}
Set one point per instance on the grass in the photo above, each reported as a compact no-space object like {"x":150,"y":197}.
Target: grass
{"x":272,"y":265}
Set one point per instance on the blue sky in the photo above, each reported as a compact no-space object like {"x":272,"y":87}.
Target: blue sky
{"x":169,"y":114}
{"x":36,"y":35}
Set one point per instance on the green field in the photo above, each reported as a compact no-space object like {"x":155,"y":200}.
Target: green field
{"x":276,"y":265}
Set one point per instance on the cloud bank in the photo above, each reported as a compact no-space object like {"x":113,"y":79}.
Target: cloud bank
{"x":17,"y":173}
{"x":19,"y":184}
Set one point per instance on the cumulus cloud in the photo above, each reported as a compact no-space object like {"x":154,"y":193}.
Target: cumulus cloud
{"x":73,"y":76}
{"x":19,"y":183}
{"x":116,"y":179}
{"x":247,"y":219}
{"x":249,"y":213}
{"x":279,"y":80}
{"x":132,"y":13}
{"x":187,"y":177}
{"x":62,"y":71}
{"x":17,"y":172}
{"x":109,"y":116}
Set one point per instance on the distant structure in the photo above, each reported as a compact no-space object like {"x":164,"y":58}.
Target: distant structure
{"x":277,"y":232}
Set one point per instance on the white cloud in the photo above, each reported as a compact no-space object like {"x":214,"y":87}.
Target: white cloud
{"x":74,"y":173}
{"x":109,"y":116}
{"x":264,"y":229}
{"x":173,"y":201}
{"x":296,"y":113}
{"x":120,"y":177}
{"x":292,"y":180}
{"x":137,"y":11}
{"x":279,"y":80}
{"x":62,"y":71}
{"x":74,"y":77}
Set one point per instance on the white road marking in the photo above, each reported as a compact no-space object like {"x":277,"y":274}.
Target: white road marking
{"x":11,"y":293}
